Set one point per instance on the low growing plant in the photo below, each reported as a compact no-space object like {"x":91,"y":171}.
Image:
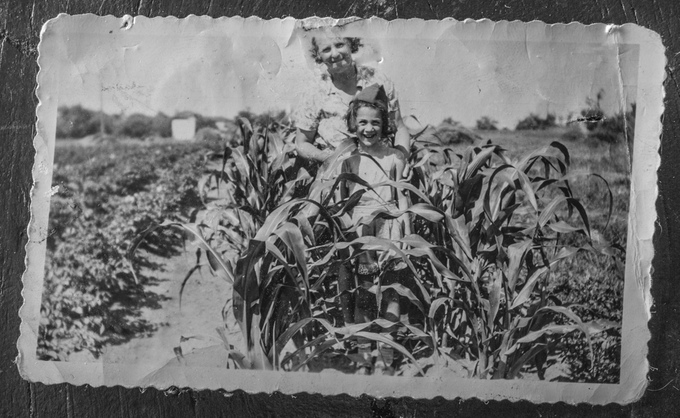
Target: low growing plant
{"x":107,"y":196}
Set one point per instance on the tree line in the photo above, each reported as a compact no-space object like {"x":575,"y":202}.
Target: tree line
{"x":77,"y":122}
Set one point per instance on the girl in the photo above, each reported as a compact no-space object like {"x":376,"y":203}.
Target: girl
{"x":376,"y":162}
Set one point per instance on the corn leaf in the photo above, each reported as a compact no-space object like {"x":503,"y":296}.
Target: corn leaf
{"x":479,"y":160}
{"x":292,"y":237}
{"x":525,"y":293}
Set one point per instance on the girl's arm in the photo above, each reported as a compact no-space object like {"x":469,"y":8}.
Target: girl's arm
{"x":401,"y":195}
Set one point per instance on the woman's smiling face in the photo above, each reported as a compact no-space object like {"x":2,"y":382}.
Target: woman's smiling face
{"x":369,"y":126}
{"x":335,"y":52}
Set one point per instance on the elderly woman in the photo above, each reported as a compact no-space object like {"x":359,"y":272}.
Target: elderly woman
{"x":321,"y":127}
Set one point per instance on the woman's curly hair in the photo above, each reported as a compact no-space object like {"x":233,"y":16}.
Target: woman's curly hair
{"x":354,"y":45}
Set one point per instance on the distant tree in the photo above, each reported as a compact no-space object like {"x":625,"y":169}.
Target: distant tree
{"x":485,"y":123}
{"x":76,"y":122}
{"x":161,"y":125}
{"x":204,"y":122}
{"x":453,"y":132}
{"x":450,"y":121}
{"x":529,"y":123}
{"x":593,"y":113}
{"x":247,"y":114}
{"x":615,"y":128}
{"x":111,"y":122}
{"x":608,"y":129}
{"x":535,"y":122}
{"x":550,"y":121}
{"x":136,"y":126}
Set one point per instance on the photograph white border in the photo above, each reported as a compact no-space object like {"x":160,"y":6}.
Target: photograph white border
{"x":640,"y":251}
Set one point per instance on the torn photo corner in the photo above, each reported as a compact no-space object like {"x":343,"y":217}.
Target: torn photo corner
{"x":394,"y":208}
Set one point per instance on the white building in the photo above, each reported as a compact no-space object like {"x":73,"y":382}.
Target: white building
{"x":184,"y":129}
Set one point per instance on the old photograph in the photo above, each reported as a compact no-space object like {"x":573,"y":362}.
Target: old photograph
{"x":406,"y":208}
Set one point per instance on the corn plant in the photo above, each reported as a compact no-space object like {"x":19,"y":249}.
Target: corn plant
{"x":240,"y":187}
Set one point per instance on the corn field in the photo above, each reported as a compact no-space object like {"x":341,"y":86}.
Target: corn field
{"x":514,"y":263}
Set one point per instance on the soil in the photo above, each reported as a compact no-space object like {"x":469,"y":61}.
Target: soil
{"x":177,"y":329}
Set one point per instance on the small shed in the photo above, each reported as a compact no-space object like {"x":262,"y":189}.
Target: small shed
{"x":184,"y":128}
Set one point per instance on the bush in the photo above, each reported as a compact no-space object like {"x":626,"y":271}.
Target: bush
{"x":615,"y":129}
{"x":451,"y":132}
{"x":76,"y":122}
{"x":535,"y":122}
{"x":161,"y":125}
{"x":609,"y":129}
{"x":136,"y":126}
{"x":487,"y":124}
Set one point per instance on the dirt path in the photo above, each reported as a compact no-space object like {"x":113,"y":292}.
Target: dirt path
{"x":203,"y":298}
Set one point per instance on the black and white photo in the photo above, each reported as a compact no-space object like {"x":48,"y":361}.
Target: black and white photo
{"x":407,"y":208}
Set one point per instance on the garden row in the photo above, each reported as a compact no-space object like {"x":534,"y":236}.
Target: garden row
{"x":107,"y":195}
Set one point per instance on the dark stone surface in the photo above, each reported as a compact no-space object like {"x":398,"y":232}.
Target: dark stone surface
{"x":21,"y":22}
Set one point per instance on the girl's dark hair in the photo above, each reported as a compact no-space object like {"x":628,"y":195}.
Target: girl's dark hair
{"x":354,"y":45}
{"x":351,"y":117}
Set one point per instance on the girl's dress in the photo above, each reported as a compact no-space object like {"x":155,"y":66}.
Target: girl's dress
{"x":375,"y":171}
{"x":380,"y":198}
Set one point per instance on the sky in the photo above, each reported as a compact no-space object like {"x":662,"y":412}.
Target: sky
{"x":462,"y":70}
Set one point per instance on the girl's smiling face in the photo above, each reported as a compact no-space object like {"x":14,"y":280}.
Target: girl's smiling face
{"x":335,"y":52}
{"x":369,"y":126}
